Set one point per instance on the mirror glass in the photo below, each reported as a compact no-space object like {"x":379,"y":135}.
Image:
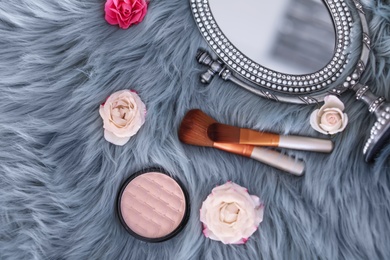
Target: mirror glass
{"x":289,"y":36}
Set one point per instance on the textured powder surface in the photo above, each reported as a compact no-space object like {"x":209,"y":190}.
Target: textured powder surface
{"x":153,"y":205}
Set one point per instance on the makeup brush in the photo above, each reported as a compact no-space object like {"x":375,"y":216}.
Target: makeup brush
{"x":194,"y":128}
{"x":230,"y":134}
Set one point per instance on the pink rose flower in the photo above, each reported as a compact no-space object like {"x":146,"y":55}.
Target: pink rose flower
{"x":329,"y":119}
{"x":230,"y":215}
{"x":125,"y":12}
{"x":123,"y":114}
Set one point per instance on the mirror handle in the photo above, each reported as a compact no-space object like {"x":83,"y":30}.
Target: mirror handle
{"x":215,"y":66}
{"x":380,"y":131}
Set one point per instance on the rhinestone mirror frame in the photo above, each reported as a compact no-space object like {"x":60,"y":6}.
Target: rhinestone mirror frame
{"x":306,"y":88}
{"x":232,"y":65}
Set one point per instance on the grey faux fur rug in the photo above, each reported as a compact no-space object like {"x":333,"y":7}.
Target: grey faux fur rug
{"x":59,"y":178}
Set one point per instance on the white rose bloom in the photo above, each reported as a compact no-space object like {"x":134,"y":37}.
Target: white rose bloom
{"x":329,"y":119}
{"x":230,"y":214}
{"x":123,"y":114}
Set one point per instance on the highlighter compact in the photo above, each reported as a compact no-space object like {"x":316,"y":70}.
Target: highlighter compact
{"x":153,"y":206}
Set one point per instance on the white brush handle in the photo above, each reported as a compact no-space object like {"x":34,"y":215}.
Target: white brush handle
{"x":305,"y":143}
{"x":278,"y":160}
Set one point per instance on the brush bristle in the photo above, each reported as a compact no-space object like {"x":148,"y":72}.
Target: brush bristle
{"x":224,"y":133}
{"x":193,"y":128}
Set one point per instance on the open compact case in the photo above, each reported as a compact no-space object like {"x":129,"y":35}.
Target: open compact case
{"x":153,"y":206}
{"x":299,"y":59}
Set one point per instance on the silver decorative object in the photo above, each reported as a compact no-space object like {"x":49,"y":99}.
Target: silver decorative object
{"x":232,"y":65}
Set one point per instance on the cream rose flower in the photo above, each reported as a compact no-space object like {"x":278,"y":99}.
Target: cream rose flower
{"x":329,"y":119}
{"x":123,"y":114}
{"x":230,"y":215}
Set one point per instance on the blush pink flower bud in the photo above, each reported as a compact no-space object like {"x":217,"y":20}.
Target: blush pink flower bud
{"x":125,"y":12}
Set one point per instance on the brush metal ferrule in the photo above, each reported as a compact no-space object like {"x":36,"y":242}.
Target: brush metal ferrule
{"x":244,"y":150}
{"x":248,"y":136}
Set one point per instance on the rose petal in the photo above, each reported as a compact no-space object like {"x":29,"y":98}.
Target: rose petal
{"x":314,"y":119}
{"x":238,"y":187}
{"x":331,"y":128}
{"x":123,"y":24}
{"x":259,"y":215}
{"x":331,"y":117}
{"x":212,"y":236}
{"x":332,"y":101}
{"x":230,"y":240}
{"x":328,"y":126}
{"x":102,"y":111}
{"x":256,"y":200}
{"x":112,"y":138}
{"x":111,"y":20}
{"x":229,"y":213}
{"x":115,"y":2}
{"x":226,"y":186}
{"x":343,"y":125}
{"x":241,"y":241}
{"x":206,"y":232}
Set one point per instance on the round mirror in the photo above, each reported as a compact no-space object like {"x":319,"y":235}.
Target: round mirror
{"x":306,"y":43}
{"x":282,"y":35}
{"x":291,"y":51}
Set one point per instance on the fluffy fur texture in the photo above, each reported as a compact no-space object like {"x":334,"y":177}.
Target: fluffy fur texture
{"x":59,"y":178}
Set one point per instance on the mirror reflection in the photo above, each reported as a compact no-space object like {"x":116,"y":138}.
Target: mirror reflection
{"x":290,"y":36}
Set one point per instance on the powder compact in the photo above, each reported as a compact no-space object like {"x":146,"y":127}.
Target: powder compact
{"x":152,"y":205}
